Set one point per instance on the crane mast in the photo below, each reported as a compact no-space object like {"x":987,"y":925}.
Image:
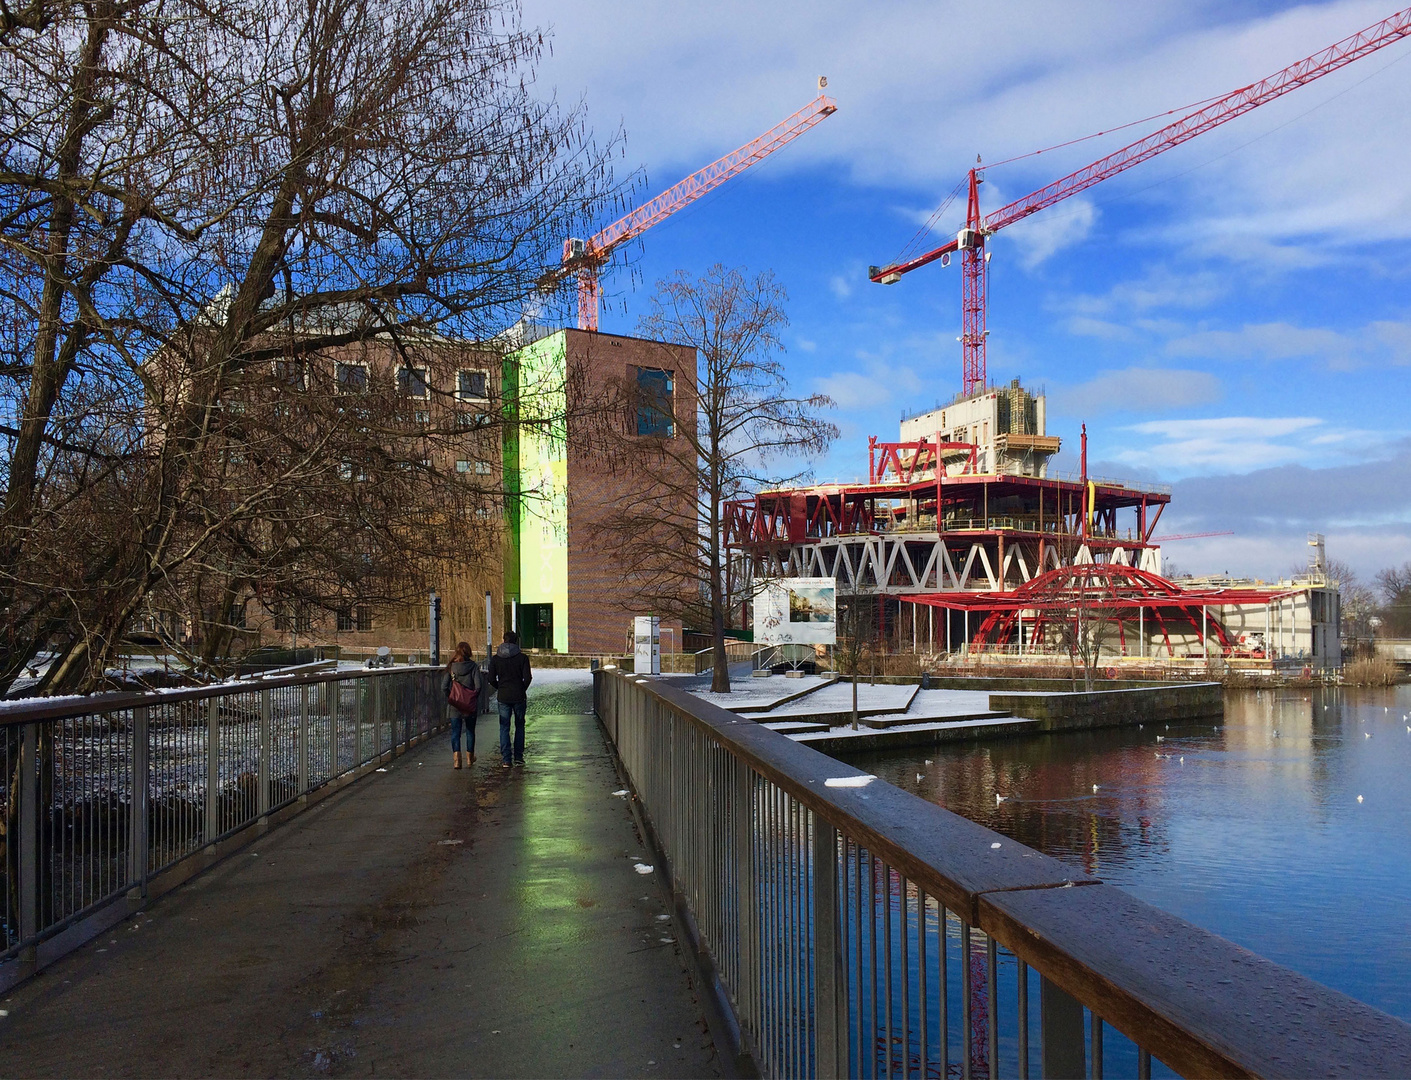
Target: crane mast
{"x":586,"y":257}
{"x":970,"y":240}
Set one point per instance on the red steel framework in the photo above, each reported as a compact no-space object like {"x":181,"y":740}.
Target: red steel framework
{"x":1107,"y":591}
{"x":588,"y":256}
{"x":971,"y":239}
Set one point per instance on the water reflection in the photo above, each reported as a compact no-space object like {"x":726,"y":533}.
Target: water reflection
{"x":1250,"y":828}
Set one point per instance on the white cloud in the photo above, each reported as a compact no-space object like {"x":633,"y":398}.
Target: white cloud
{"x":1159,"y":289}
{"x":1043,"y":235}
{"x":1137,"y":389}
{"x":839,"y":286}
{"x":1319,"y":168}
{"x":1377,"y":342}
{"x":880,"y":383}
{"x":1217,"y":444}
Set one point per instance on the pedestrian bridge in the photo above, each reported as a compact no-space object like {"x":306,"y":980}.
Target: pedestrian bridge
{"x":285,"y":876}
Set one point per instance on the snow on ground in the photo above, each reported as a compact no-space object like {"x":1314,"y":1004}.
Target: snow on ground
{"x":838,"y":698}
{"x":762,"y":692}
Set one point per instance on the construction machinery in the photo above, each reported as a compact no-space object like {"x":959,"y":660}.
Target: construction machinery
{"x":970,"y":241}
{"x":586,"y":257}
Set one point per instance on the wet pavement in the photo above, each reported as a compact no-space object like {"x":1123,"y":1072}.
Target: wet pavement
{"x":422,"y":922}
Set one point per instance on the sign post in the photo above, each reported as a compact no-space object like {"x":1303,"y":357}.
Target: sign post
{"x":646,"y":641}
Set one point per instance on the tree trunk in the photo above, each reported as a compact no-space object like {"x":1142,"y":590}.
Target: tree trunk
{"x":720,"y":678}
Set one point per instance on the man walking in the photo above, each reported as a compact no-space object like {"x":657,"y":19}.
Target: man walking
{"x":509,"y":674}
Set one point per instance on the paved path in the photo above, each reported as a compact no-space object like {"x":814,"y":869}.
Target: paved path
{"x":422,"y":922}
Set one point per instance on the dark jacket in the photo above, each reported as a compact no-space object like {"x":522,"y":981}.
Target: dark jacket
{"x":509,"y":674}
{"x":467,"y":673}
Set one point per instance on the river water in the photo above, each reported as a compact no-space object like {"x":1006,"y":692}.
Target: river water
{"x":1250,"y":828}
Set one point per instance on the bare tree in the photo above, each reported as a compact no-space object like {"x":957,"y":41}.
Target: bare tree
{"x":857,"y":635}
{"x":1076,"y":606}
{"x":1394,"y":585}
{"x":198,"y":197}
{"x":722,"y":438}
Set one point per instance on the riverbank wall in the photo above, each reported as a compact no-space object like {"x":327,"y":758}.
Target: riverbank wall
{"x":1114,"y":708}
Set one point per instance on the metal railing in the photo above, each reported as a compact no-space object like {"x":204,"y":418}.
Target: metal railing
{"x":735,"y":652}
{"x":101,"y":795}
{"x":855,"y":929}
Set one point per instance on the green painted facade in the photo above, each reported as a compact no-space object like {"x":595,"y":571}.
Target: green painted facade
{"x":536,"y":479}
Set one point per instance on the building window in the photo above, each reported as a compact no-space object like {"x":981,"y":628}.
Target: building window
{"x":482,"y":468}
{"x":364,"y":618}
{"x":351,"y":378}
{"x":236,"y":616}
{"x":290,"y":372}
{"x":654,"y":403}
{"x":411,"y":382}
{"x":468,"y":419}
{"x":345,"y":621}
{"x":404,"y":618}
{"x":472,"y":385}
{"x":462,"y":466}
{"x":303,"y":620}
{"x":347,"y":470}
{"x":422,"y":416}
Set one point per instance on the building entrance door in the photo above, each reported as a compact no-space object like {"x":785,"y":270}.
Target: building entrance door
{"x":536,"y":626}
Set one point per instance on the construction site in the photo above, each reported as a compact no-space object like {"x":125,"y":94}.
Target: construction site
{"x":963,"y":545}
{"x":964,"y":549}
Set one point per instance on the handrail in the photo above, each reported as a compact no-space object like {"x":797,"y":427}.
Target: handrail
{"x":110,"y":799}
{"x":735,"y":805}
{"x":27,"y":710}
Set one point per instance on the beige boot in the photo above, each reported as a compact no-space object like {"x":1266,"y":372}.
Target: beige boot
{"x":457,"y":755}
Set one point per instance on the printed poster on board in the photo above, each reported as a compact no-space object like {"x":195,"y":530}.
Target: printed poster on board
{"x":796,"y":611}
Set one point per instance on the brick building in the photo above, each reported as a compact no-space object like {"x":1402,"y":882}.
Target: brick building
{"x":564,"y":584}
{"x":543,"y":419}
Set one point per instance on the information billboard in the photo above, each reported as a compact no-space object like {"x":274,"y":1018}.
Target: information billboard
{"x":796,"y":611}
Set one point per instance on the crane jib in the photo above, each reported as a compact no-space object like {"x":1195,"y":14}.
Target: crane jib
{"x":1390,"y":30}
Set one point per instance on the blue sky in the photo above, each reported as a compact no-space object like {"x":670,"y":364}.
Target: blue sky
{"x":1233,"y":317}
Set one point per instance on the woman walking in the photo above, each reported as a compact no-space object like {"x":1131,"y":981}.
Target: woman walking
{"x":462,"y":689}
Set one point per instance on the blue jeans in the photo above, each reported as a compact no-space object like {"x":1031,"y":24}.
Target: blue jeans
{"x":515,"y":709}
{"x":457,"y":721}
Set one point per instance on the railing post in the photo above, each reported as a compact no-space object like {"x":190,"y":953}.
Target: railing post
{"x":1061,"y":1034}
{"x":376,"y":687}
{"x":303,"y":740}
{"x":830,"y":1024}
{"x":137,"y":824}
{"x":746,"y":993}
{"x":212,"y":769}
{"x":28,"y":795}
{"x":266,"y":733}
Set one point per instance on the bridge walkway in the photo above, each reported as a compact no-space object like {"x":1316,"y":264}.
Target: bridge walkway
{"x":421,"y":922}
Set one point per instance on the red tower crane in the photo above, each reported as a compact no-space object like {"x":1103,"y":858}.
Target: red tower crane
{"x":970,"y":241}
{"x":587,"y":256}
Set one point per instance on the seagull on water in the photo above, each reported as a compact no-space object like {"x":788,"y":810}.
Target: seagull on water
{"x":1161,"y":738}
{"x":1000,"y":798}
{"x":1094,"y":787}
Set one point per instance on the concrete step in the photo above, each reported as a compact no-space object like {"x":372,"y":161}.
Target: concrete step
{"x":796,"y":727}
{"x":881,"y":723}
